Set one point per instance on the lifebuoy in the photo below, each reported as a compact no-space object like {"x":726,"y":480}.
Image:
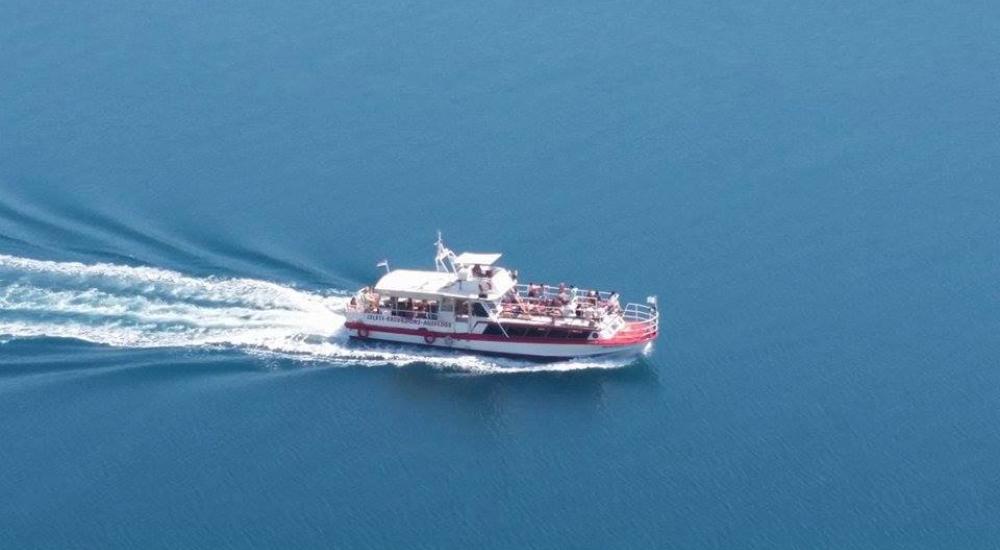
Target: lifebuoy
{"x":363,"y":332}
{"x":429,"y":338}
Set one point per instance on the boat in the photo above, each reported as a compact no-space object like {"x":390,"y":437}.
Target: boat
{"x":470,"y":303}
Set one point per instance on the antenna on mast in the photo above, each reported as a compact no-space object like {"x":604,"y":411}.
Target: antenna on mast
{"x":443,"y":253}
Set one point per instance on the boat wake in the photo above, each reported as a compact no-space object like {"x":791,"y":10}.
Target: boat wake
{"x":145,"y":307}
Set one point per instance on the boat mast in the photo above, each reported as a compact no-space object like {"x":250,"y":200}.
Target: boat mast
{"x":444,"y":254}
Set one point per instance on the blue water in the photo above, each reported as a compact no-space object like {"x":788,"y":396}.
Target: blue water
{"x":188,"y":188}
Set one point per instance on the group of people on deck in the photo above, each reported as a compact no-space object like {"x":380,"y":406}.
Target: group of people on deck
{"x":567,"y":301}
{"x":408,"y":308}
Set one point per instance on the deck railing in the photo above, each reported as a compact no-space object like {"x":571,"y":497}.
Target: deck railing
{"x":549,"y":292}
{"x":640,"y":320}
{"x":643,"y":320}
{"x":430,"y":315}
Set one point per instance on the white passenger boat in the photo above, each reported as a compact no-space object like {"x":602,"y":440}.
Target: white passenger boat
{"x":470,"y":303}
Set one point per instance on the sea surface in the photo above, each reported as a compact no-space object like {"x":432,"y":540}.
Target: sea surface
{"x":189,"y":189}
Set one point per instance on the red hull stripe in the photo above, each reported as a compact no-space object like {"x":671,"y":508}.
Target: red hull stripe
{"x":620,"y":340}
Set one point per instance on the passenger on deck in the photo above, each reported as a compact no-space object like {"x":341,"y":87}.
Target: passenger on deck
{"x":372,"y":301}
{"x":563,"y":296}
{"x":613,"y":304}
{"x":477,"y":271}
{"x":512,"y":297}
{"x":567,"y":310}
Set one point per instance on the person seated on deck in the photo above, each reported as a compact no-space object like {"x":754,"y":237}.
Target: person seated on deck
{"x":613,"y":305}
{"x":484,"y":288}
{"x":567,"y":310}
{"x":371,"y":299}
{"x":563,"y":296}
{"x":593,"y":297}
{"x":534,"y":290}
{"x":477,"y":271}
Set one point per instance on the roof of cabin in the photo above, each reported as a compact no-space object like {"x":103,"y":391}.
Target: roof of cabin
{"x":408,"y":283}
{"x":407,"y":280}
{"x":474,"y":258}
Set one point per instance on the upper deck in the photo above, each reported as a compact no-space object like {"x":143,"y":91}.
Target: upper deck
{"x":490,"y":284}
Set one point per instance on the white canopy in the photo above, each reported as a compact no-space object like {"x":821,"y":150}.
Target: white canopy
{"x":429,"y":285}
{"x":475,"y":258}
{"x":402,"y":282}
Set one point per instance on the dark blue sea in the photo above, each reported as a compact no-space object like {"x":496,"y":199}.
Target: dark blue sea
{"x":188,"y":190}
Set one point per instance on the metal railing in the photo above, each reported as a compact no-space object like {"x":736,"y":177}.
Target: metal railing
{"x":548,"y":292}
{"x":634,"y":321}
{"x":642,"y":321}
{"x":401,"y":313}
{"x":361,"y":305}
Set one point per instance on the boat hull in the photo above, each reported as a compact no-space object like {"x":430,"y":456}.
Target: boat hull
{"x":495,"y":346}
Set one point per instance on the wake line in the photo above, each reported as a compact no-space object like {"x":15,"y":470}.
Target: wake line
{"x":147,"y":307}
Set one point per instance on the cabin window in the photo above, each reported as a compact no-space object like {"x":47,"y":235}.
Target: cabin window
{"x":521,"y":331}
{"x":537,"y":332}
{"x":409,"y":308}
{"x":515,"y":331}
{"x":479,"y":310}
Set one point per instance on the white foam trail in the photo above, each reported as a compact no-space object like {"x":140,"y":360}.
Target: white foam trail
{"x":146,"y":307}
